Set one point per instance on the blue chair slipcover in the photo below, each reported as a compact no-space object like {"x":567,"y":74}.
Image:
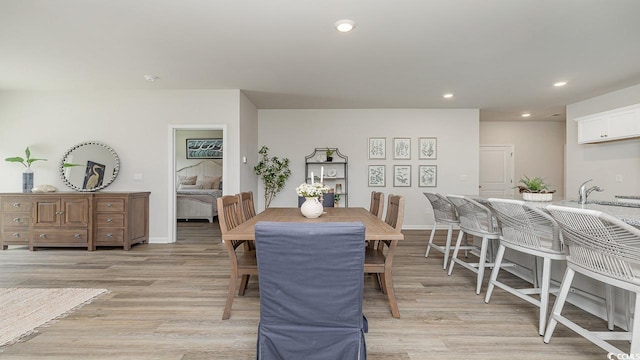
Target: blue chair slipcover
{"x":311,"y":280}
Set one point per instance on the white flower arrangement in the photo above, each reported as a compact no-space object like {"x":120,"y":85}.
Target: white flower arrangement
{"x":311,"y":190}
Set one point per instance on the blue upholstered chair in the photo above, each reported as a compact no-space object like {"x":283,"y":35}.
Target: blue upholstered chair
{"x":311,"y":283}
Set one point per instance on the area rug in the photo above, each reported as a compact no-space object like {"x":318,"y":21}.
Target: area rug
{"x":23,"y":310}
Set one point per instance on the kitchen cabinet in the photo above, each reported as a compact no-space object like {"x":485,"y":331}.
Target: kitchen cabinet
{"x":609,"y":125}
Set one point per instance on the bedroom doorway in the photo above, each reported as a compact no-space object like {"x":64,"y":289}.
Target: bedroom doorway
{"x":178,"y":159}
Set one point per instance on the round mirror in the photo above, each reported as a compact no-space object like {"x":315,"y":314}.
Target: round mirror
{"x":89,"y":166}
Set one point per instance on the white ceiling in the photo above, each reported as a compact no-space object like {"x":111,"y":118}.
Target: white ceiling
{"x":501,"y":56}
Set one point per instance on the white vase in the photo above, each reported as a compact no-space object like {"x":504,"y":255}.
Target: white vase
{"x":27,"y":180}
{"x":311,"y":208}
{"x":537,"y":196}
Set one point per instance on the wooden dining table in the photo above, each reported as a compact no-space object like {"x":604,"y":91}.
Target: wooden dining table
{"x":375,"y":229}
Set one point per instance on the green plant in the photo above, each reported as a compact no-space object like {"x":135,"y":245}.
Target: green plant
{"x":26,"y":161}
{"x":273,"y":172}
{"x":336,"y":198}
{"x":330,"y":152}
{"x":533,"y":185}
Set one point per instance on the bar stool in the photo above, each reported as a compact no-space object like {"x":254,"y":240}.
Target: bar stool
{"x":444,"y":212}
{"x":603,"y":248}
{"x":530,"y":231}
{"x":477,"y":220}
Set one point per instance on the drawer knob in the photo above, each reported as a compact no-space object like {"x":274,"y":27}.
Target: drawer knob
{"x":43,"y":236}
{"x":16,"y":204}
{"x":109,"y":235}
{"x":16,"y":220}
{"x":16,"y":235}
{"x":109,"y":220}
{"x":109,"y":205}
{"x":77,"y":236}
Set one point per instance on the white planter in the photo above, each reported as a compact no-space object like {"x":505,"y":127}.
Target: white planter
{"x":311,"y":208}
{"x":537,"y":196}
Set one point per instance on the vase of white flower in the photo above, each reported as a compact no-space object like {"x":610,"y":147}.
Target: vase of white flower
{"x":312,"y":207}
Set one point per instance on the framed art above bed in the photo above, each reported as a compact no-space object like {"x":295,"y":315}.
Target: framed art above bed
{"x":204,"y":148}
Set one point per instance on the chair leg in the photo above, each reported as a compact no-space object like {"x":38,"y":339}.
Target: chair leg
{"x":455,"y":252}
{"x":610,"y":304}
{"x":494,"y":273}
{"x":433,"y":232}
{"x":559,"y":304}
{"x":243,"y":284}
{"x":544,"y":294}
{"x":391,"y":294}
{"x":481,"y":264}
{"x":447,"y":246}
{"x":377,"y":281}
{"x":232,"y":293}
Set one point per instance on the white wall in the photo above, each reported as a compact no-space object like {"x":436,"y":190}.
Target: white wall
{"x":248,"y":145}
{"x":295,"y":133}
{"x":181,"y":145}
{"x":134,"y":122}
{"x":602,"y":162}
{"x":538,"y":147}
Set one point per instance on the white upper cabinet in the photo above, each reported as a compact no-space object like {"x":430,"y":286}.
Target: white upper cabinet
{"x":609,"y":125}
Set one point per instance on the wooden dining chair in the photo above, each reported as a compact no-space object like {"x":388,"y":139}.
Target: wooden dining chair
{"x":379,"y":259}
{"x":243,"y":262}
{"x":377,"y":203}
{"x":247,"y":204}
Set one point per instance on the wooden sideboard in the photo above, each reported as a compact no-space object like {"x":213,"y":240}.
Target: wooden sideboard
{"x":66,"y":219}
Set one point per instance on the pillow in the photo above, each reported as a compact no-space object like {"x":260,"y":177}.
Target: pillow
{"x":217,"y":182}
{"x":189,"y":187}
{"x":206,"y":182}
{"x":187,"y":180}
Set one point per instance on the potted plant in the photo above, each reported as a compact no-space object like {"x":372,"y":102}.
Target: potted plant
{"x":27,"y":174}
{"x":535,"y":189}
{"x":273,"y":172}
{"x":330,"y":154}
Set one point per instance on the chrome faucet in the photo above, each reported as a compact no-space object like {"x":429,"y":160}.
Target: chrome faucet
{"x":584,"y":192}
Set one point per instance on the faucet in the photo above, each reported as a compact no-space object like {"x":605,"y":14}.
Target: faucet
{"x":584,"y":192}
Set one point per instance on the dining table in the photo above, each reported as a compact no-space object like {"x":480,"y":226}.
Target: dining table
{"x":375,"y":228}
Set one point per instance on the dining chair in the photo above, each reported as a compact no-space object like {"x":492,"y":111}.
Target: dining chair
{"x":531,"y":231}
{"x":606,"y":249}
{"x":443,"y":213}
{"x":475,"y":220}
{"x":377,"y":203}
{"x":311,"y":289}
{"x":379,"y":259}
{"x":248,"y":207}
{"x":243,"y":262}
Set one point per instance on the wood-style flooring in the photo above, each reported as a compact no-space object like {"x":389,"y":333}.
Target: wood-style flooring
{"x":165,"y":301}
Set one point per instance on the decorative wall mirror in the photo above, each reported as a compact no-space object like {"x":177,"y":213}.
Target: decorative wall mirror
{"x":89,"y":166}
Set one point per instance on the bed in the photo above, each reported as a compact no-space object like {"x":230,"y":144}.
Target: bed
{"x":198,"y":188}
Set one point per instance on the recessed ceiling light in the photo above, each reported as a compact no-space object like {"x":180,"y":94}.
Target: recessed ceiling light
{"x":560,"y":83}
{"x":345,"y":25}
{"x":151,"y":78}
{"x":525,"y":115}
{"x":447,"y":95}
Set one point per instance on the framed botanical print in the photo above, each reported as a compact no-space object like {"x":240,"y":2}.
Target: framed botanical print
{"x":377,"y":148}
{"x":428,"y":148}
{"x":402,"y":175}
{"x":402,"y":148}
{"x":427,"y":176}
{"x":376,"y":175}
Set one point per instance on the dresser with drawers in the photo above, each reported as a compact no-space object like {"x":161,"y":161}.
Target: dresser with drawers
{"x":74,"y":219}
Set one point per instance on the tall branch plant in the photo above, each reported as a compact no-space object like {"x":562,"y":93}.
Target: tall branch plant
{"x":274,"y":173}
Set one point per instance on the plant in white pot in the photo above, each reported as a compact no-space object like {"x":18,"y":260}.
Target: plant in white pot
{"x":535,"y":189}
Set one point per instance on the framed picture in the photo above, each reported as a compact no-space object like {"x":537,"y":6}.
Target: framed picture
{"x":402,"y":175}
{"x":428,"y":148}
{"x":427,"y":176}
{"x":377,"y":148}
{"x":402,"y":148}
{"x":376,"y":175}
{"x":204,"y":148}
{"x":93,"y":175}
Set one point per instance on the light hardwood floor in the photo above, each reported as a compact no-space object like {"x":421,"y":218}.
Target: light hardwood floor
{"x":166,"y":301}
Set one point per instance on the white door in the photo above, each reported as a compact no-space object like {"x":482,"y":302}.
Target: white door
{"x":496,"y":171}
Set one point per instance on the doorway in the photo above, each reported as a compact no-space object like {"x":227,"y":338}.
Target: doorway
{"x":496,"y":171}
{"x":175,"y":164}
